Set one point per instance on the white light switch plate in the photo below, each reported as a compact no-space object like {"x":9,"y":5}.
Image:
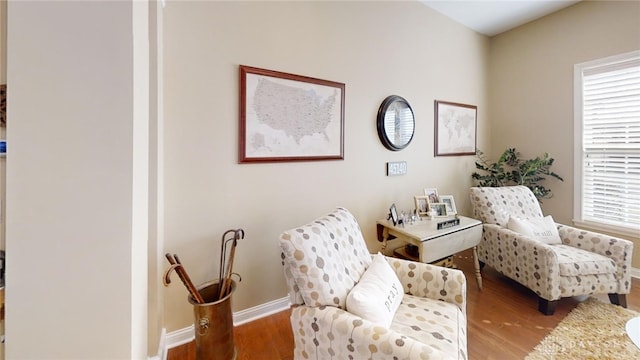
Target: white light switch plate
{"x":395,"y":168}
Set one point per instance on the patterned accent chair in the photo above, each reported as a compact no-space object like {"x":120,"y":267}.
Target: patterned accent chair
{"x":585,"y":263}
{"x":324,"y":259}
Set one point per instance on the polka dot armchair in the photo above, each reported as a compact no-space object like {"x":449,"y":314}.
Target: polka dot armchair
{"x":585,"y":263}
{"x":324,"y":259}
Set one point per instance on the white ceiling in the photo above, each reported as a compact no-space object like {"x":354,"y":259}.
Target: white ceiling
{"x":494,"y":17}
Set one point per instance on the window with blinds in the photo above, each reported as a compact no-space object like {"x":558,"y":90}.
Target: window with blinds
{"x":608,"y":129}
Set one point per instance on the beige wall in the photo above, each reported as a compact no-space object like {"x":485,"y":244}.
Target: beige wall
{"x":377,"y":49}
{"x":531,"y":85}
{"x":3,"y":166}
{"x":77,"y":180}
{"x":156,"y":262}
{"x":3,"y":130}
{"x":3,"y":42}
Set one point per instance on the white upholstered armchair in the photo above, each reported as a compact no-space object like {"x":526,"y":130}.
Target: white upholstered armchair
{"x":579,"y":263}
{"x":326,"y":260}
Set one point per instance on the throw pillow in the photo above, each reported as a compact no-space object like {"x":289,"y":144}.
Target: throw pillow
{"x":378,"y":294}
{"x":543,"y":230}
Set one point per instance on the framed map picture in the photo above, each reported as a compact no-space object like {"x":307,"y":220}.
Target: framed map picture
{"x":286,"y":117}
{"x":455,"y":129}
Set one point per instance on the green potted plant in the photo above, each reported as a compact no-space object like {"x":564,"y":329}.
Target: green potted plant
{"x":510,"y":169}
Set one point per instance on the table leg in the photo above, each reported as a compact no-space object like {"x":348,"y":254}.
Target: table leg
{"x":476,"y":265}
{"x":383,"y":236}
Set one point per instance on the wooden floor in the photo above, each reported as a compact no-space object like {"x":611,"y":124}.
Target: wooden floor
{"x":503,"y":321}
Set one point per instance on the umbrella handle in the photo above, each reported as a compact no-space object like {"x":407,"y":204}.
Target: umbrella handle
{"x":182,"y":274}
{"x":166,"y":280}
{"x":224,"y":288}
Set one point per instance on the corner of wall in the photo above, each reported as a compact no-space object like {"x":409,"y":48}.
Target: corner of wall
{"x":162,"y":347}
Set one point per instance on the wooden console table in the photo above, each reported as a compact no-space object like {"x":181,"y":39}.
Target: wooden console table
{"x":434,"y":244}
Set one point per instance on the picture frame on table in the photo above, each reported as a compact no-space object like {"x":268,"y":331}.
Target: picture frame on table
{"x":450,"y":202}
{"x":422,"y":204}
{"x":439,"y":209}
{"x":432,"y":194}
{"x":455,"y":129}
{"x":393,"y":214}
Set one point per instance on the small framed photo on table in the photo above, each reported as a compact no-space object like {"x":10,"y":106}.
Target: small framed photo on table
{"x":422,"y":205}
{"x":432,"y":194}
{"x":439,"y":209}
{"x":393,"y":215}
{"x":451,"y":204}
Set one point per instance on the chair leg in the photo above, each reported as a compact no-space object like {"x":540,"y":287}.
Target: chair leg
{"x":618,"y":299}
{"x":547,"y":307}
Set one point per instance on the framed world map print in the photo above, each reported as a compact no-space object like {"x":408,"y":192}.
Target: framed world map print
{"x":286,"y":117}
{"x":455,"y":129}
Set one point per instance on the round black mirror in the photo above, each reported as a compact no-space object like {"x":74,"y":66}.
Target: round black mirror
{"x":396,"y":123}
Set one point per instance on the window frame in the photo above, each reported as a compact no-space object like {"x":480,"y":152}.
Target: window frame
{"x":578,"y":152}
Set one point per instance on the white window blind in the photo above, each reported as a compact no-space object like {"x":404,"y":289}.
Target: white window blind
{"x":611,"y":143}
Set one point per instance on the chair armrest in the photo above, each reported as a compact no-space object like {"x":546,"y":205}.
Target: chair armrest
{"x":617,"y":249}
{"x":609,"y":246}
{"x":295,"y":297}
{"x":520,"y":255}
{"x":525,"y":244}
{"x":431,"y":281}
{"x":327,"y":332}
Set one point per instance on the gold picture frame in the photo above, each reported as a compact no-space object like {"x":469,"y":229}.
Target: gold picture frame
{"x":432,"y":194}
{"x":422,"y":204}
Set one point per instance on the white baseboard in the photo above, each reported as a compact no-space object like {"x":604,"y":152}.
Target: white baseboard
{"x":180,"y":337}
{"x":186,"y":335}
{"x":260,"y":311}
{"x":635,"y":272}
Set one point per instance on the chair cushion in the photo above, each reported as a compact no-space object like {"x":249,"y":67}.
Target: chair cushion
{"x":378,"y":294}
{"x":543,"y":230}
{"x":326,"y":258}
{"x":436,"y":323}
{"x":574,"y":262}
